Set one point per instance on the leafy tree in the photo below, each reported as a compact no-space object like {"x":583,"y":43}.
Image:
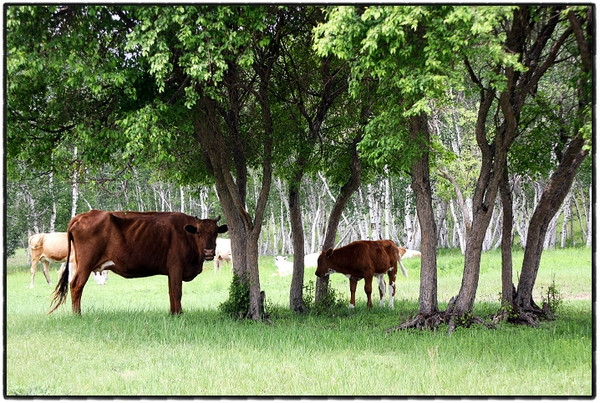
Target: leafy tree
{"x":406,"y":50}
{"x":570,"y":150}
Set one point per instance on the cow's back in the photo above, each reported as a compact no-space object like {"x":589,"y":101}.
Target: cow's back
{"x":356,"y":256}
{"x":139,"y":244}
{"x":52,"y":246}
{"x":364,"y":256}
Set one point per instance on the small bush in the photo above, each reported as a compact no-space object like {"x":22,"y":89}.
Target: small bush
{"x":238,"y":303}
{"x":551,"y":297}
{"x":332,"y":301}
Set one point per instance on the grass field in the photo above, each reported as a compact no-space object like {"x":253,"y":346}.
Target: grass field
{"x":125,"y":343}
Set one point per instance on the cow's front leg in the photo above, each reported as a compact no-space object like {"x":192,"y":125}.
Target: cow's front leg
{"x":352,"y":292}
{"x":175,"y":284}
{"x":368,"y":290}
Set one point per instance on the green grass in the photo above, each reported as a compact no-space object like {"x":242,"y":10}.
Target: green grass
{"x":126,"y":343}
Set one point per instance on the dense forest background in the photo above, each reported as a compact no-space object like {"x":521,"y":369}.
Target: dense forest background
{"x":384,"y":209}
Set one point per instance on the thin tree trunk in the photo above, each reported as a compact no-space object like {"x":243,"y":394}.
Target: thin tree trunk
{"x":346,"y":191}
{"x":507,"y":226}
{"x":296,"y":288}
{"x":550,"y":201}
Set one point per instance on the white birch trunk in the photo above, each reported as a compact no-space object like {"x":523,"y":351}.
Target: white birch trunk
{"x":53,"y":215}
{"x":74,"y":188}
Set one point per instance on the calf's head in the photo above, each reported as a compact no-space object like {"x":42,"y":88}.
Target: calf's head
{"x":206,"y":232}
{"x":323,"y":263}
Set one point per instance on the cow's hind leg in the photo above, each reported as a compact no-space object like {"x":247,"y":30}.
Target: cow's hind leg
{"x":368,"y":290}
{"x":79,"y":279}
{"x":392,"y":276}
{"x":381,"y":282}
{"x":352,"y":293}
{"x":175,"y":284}
{"x":46,"y":270}
{"x":34,"y":262}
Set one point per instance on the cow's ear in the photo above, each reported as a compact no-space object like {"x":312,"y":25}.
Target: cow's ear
{"x":192,"y":229}
{"x":222,"y":229}
{"x":328,"y":252}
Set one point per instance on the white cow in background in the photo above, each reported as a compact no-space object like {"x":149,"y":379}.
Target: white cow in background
{"x":222,"y":253}
{"x":284,"y":268}
{"x":310,"y":260}
{"x":52,"y":248}
{"x":47,"y":248}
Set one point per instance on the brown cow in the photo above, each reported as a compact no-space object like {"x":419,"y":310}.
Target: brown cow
{"x":363,"y":259}
{"x":47,"y":248}
{"x":138,"y":245}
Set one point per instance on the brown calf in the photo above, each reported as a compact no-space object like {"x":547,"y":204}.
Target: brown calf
{"x":363,"y":259}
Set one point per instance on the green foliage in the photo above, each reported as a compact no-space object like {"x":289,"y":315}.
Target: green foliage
{"x":238,"y":303}
{"x":330,"y":304}
{"x":552,"y":296}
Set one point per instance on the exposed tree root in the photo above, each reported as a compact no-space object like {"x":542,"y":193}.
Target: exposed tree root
{"x":433,"y":322}
{"x":421,"y":322}
{"x":528,"y":316}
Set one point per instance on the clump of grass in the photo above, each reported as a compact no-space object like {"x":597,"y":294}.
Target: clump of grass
{"x":552,"y":297}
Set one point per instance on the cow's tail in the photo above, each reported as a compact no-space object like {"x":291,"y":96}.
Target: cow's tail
{"x":62,"y":288}
{"x":401,"y":252}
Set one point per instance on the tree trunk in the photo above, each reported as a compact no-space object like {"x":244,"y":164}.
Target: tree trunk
{"x":507,"y":226}
{"x":53,"y":215}
{"x":74,"y":188}
{"x":296,"y":288}
{"x":421,"y":186}
{"x":428,"y":315}
{"x":346,"y":191}
{"x":550,"y":201}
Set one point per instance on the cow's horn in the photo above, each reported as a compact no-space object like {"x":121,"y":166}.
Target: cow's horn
{"x":218,"y":218}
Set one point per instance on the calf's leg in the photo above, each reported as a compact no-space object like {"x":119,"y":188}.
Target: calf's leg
{"x":392,"y":276}
{"x":381,"y":282}
{"x":352,"y":293}
{"x":368,"y":290}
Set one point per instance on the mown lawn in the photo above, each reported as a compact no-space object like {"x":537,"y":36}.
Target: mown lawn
{"x":125,"y":343}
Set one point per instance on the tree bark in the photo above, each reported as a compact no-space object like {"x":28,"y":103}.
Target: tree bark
{"x":550,"y":202}
{"x":296,"y":288}
{"x":507,"y":226}
{"x":341,"y":200}
{"x":421,"y":185}
{"x":522,"y":40}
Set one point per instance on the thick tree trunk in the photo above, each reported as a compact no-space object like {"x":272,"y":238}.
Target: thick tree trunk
{"x":421,"y":185}
{"x":428,"y":315}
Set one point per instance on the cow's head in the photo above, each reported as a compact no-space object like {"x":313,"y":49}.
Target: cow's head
{"x":206,"y":232}
{"x":323,"y":268}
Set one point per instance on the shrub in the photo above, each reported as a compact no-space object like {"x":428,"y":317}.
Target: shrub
{"x":332,"y":301}
{"x":238,"y":303}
